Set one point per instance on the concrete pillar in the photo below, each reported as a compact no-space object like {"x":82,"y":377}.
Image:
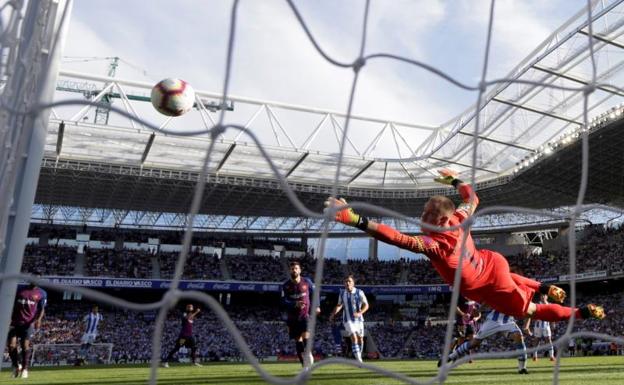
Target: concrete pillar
{"x":119,"y":242}
{"x":373,"y":246}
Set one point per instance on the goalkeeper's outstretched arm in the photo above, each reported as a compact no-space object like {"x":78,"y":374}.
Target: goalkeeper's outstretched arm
{"x":379,"y":231}
{"x":387,"y":234}
{"x":470,"y":200}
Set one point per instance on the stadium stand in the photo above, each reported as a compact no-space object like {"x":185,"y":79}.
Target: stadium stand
{"x":118,"y":263}
{"x":265,"y":332}
{"x":49,"y":260}
{"x":397,"y":334}
{"x":60,"y":260}
{"x":199,"y":266}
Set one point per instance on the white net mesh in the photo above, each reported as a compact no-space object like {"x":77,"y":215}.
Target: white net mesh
{"x":14,"y":112}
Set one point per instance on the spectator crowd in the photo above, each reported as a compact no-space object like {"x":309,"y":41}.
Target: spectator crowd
{"x":266,"y":334}
{"x":599,"y":249}
{"x":49,"y":260}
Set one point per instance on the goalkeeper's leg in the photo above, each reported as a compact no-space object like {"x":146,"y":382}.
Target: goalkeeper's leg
{"x":553,"y":312}
{"x":511,"y":294}
{"x":521,"y":280}
{"x":556,"y":294}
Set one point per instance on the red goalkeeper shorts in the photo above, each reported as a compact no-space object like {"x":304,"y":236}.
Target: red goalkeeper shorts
{"x":504,"y":291}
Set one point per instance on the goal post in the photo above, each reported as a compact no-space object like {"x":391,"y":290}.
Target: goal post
{"x":68,"y":354}
{"x":31,"y":55}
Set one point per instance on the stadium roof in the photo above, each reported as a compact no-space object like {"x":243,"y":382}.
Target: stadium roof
{"x":101,"y":160}
{"x":551,"y":180}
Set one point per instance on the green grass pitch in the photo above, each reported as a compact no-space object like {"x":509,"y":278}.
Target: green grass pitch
{"x":574,"y":371}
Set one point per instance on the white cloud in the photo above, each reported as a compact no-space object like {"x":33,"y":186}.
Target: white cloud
{"x":519,"y":27}
{"x":274,"y":60}
{"x":403,"y":26}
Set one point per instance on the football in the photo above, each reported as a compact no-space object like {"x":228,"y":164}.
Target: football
{"x":173,"y":97}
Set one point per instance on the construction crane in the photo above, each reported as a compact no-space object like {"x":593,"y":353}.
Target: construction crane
{"x":102,"y":111}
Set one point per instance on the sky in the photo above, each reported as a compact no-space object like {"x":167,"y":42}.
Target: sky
{"x":274,"y":60}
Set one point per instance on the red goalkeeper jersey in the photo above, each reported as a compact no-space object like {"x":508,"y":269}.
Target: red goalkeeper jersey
{"x":444,"y":248}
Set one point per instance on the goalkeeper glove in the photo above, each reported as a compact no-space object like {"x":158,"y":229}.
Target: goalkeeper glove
{"x":448,"y":177}
{"x":347,"y":216}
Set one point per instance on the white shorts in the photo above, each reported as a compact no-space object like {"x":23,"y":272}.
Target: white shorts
{"x":88,"y":338}
{"x":356,"y":327}
{"x":489,"y":328}
{"x":542,"y":332}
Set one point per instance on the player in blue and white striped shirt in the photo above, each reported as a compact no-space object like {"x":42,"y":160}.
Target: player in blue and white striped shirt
{"x":495,"y":322}
{"x":91,"y":321}
{"x":541,"y":330}
{"x":354,"y":304}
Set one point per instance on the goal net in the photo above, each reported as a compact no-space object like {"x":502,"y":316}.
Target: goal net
{"x":71,"y":354}
{"x":30,"y":56}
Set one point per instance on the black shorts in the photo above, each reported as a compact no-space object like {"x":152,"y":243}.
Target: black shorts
{"x":188,"y":342}
{"x":296,"y":328}
{"x":463,"y":331}
{"x":24,"y":332}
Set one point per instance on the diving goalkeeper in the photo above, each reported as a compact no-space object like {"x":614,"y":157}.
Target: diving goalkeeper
{"x":485,"y":275}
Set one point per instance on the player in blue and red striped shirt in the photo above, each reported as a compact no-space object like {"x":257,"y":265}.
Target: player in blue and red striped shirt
{"x":28,"y":311}
{"x":297,"y":299}
{"x":465,"y":321}
{"x":186,"y":336}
